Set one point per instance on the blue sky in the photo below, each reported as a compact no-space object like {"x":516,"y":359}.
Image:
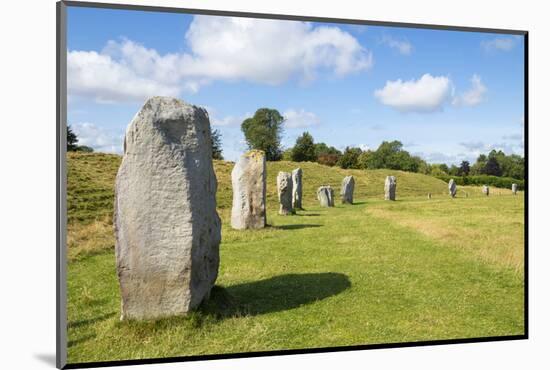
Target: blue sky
{"x":447,"y":95}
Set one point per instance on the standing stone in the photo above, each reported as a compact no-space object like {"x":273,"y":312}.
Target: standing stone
{"x":284,"y":190}
{"x":429,"y":195}
{"x":325,"y":195}
{"x":485,"y":190}
{"x":297,"y":188}
{"x":348,"y":185}
{"x":248,"y":180}
{"x":166,"y":227}
{"x":390,"y":187}
{"x":452,"y":188}
{"x":514,"y":189}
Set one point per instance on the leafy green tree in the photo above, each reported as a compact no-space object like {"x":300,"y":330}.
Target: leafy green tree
{"x":492,"y":167}
{"x":454,"y":170}
{"x":216,"y":144}
{"x":304,"y":150}
{"x":84,"y":149}
{"x":263,"y":131}
{"x":72,"y":139}
{"x":464,"y":169}
{"x":350,"y":158}
{"x":287,"y":154}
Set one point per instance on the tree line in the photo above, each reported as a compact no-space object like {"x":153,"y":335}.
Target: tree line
{"x":264,"y":131}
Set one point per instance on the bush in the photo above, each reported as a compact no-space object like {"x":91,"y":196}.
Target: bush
{"x":478,"y":180}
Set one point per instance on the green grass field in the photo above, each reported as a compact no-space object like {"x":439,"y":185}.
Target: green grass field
{"x":372,"y":272}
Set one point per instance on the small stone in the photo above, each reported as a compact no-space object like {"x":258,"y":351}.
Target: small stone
{"x":284,"y":190}
{"x":297,"y":188}
{"x":248,"y":180}
{"x":325,"y":195}
{"x":514,"y":189}
{"x":485,"y":190}
{"x":429,"y":195}
{"x":390,"y":188}
{"x":452,"y":188}
{"x":348,"y":185}
{"x":167,"y":231}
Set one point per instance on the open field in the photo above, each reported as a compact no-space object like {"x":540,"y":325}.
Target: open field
{"x":372,"y":272}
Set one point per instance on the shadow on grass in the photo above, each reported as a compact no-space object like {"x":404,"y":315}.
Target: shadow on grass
{"x":308,"y":214}
{"x":279,"y":293}
{"x":79,"y":323}
{"x":83,"y":339}
{"x":296,"y":226}
{"x":358,"y":203}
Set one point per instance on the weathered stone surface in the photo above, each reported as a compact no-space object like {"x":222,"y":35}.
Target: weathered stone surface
{"x":325,"y":195}
{"x":514,"y":189}
{"x":297,"y":188}
{"x":390,"y":188}
{"x":485,"y":190}
{"x":348,"y":185}
{"x":452,"y":188}
{"x":166,"y":226}
{"x":248,"y":180}
{"x":284,"y":190}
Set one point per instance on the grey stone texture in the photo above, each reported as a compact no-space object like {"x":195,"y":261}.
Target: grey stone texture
{"x":284,"y":191}
{"x":390,"y":187}
{"x":348,"y":186}
{"x":297,"y":188}
{"x":325,"y":195}
{"x":452,"y":188}
{"x":167,"y":230}
{"x":248,"y":179}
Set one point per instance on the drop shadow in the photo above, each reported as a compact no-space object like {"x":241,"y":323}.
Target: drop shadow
{"x":296,"y":226}
{"x":279,"y":293}
{"x":79,"y":323}
{"x":46,"y":358}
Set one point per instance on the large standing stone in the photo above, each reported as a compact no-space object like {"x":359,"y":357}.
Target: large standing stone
{"x":248,"y":179}
{"x":166,"y":226}
{"x":348,"y":185}
{"x":297,"y":188}
{"x":514,"y":189}
{"x":485,"y":190}
{"x":452,"y":188}
{"x":390,"y":187}
{"x":325,"y":195}
{"x":284,"y":190}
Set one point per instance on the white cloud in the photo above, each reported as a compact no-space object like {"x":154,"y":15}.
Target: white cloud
{"x":500,"y":44}
{"x":364,"y":147}
{"x":300,"y":118}
{"x":221,"y":48}
{"x":474,"y":96}
{"x":514,"y":137}
{"x":438,"y":157}
{"x":427,"y":94}
{"x":404,"y":47}
{"x":478,"y":147}
{"x":98,"y":138}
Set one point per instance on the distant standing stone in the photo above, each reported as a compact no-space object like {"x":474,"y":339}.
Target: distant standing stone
{"x":348,"y":185}
{"x":167,"y":231}
{"x":485,"y":190}
{"x":248,"y":180}
{"x":452,"y":188}
{"x":325,"y":195}
{"x":390,"y":188}
{"x":429,"y":195}
{"x":514,"y":189}
{"x":297,"y":188}
{"x":284,"y":190}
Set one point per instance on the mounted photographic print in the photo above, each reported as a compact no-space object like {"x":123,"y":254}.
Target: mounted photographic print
{"x":235,"y":184}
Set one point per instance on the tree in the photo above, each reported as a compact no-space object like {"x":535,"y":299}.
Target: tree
{"x":350,"y":157}
{"x":84,"y":149}
{"x":304,"y":150}
{"x":328,"y":156}
{"x":263,"y":131}
{"x":454,"y":170}
{"x":492,"y":167}
{"x":216,"y":144}
{"x":464,"y":169}
{"x":72,"y":139}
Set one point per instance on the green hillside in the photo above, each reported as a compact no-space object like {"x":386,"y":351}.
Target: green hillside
{"x":91,"y":183}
